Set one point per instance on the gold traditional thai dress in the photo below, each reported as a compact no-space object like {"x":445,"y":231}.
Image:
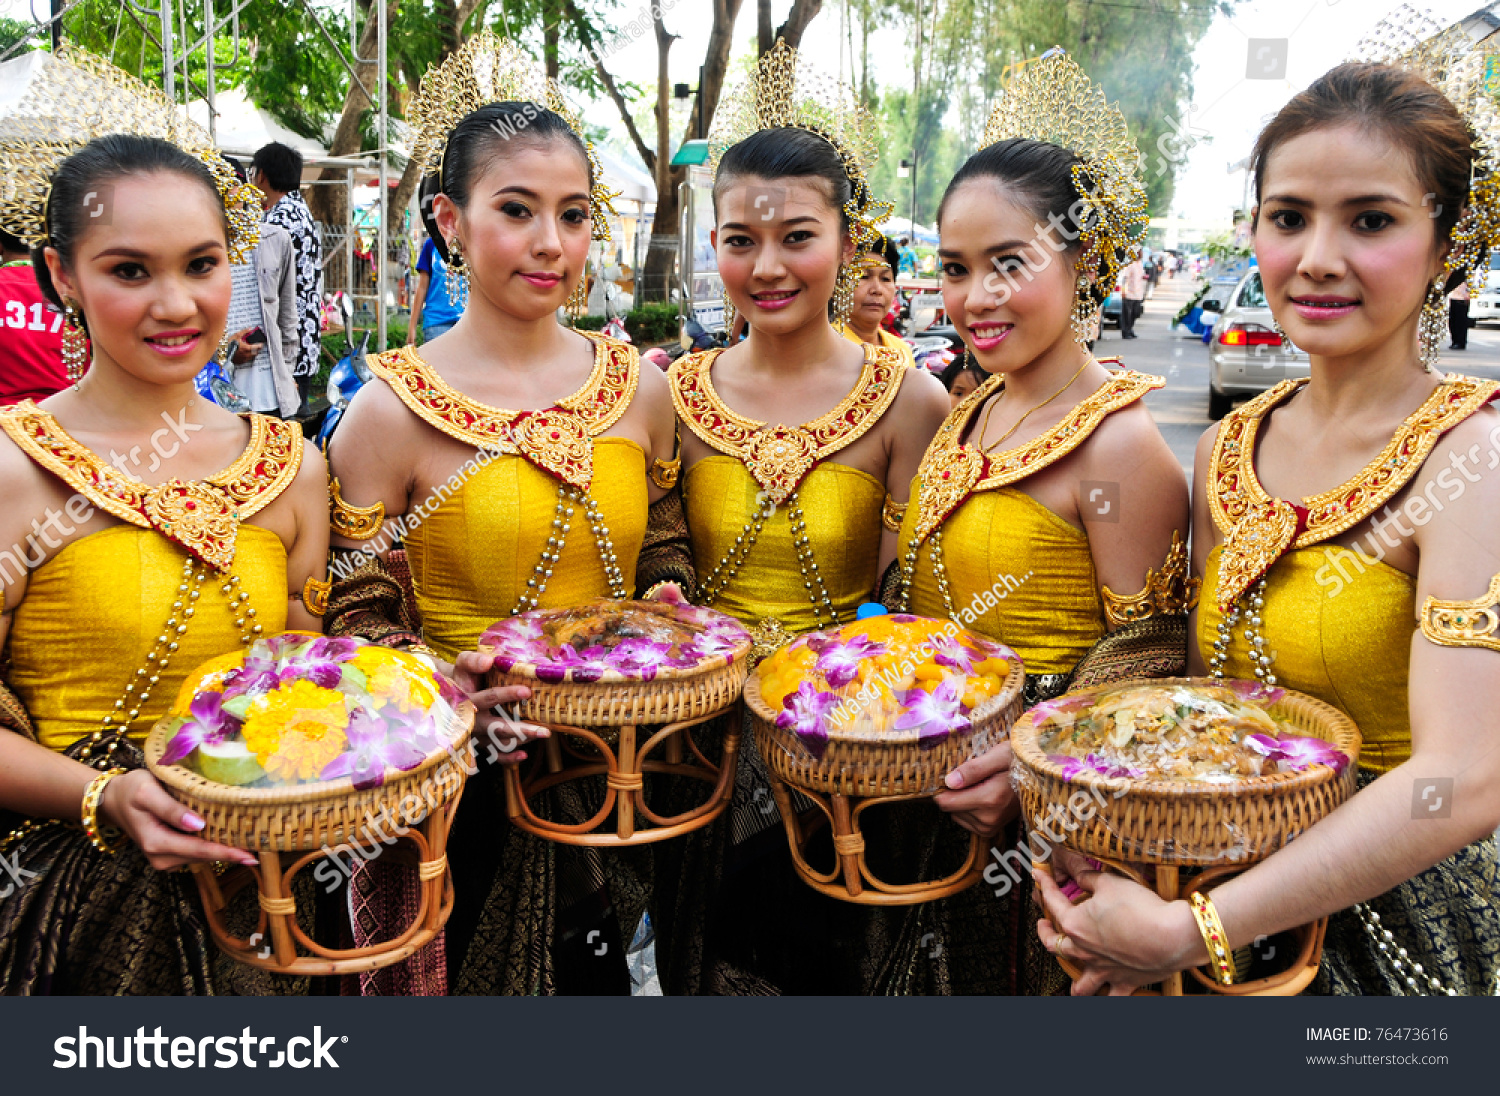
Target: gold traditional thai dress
{"x":109,"y":628}
{"x":978,"y":549}
{"x":1337,"y":624}
{"x":548,"y":513}
{"x":787,"y":540}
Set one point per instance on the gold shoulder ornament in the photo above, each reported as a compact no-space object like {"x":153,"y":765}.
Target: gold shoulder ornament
{"x":1473,"y":623}
{"x":664,"y":473}
{"x":1167,"y":592}
{"x":315,"y":593}
{"x":893,"y":514}
{"x":354,"y":522}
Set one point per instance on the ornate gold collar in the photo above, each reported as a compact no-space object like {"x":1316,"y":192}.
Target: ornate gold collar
{"x":557,"y":439}
{"x":201,"y":516}
{"x":1258,"y":529}
{"x":952,"y":469}
{"x":780,"y":457}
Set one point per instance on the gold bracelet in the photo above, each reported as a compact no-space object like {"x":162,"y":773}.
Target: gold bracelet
{"x":107,"y":839}
{"x":1214,"y":938}
{"x":892,"y":514}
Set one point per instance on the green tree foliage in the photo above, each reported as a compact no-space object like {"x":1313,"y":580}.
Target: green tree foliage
{"x":1140,"y":52}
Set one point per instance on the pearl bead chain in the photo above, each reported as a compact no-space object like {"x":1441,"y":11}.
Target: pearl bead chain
{"x":138,"y":690}
{"x":562,"y":524}
{"x":727,"y":567}
{"x":1260,"y":659}
{"x":1409,"y":970}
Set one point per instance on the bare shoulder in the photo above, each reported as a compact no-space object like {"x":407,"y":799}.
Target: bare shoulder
{"x":22,"y":482}
{"x":1461,"y":477}
{"x":375,"y":421}
{"x":1130,"y":439}
{"x":921,"y":390}
{"x":654,"y":391}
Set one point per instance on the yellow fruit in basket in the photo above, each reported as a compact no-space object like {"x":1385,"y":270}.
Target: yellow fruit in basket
{"x":207,"y":678}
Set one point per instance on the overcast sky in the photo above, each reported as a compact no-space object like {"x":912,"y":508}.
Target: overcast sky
{"x":1318,"y":34}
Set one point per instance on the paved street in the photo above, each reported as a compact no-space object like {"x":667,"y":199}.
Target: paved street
{"x":1181,"y":408}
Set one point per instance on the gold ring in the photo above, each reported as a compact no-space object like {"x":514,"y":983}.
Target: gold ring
{"x":1059,"y":941}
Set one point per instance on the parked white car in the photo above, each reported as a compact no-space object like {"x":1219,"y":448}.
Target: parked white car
{"x":1245,"y":354}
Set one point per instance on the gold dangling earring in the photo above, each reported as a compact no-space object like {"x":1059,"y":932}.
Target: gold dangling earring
{"x":457,"y":279}
{"x":578,"y":300}
{"x":1431,"y":326}
{"x":843,"y":293}
{"x":729,"y":315}
{"x":1085,"y":308}
{"x":75,"y":343}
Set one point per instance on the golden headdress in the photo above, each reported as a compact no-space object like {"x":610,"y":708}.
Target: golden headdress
{"x":77,"y":97}
{"x":1451,"y":61}
{"x":490,"y":69}
{"x":785,"y":94}
{"x":1051,"y":99}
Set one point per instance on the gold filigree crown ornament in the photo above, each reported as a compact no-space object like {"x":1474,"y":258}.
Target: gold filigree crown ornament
{"x":77,"y":97}
{"x":1464,"y":71}
{"x":783,"y":93}
{"x":1051,"y":99}
{"x":490,"y":69}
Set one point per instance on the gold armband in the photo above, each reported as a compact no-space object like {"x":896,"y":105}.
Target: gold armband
{"x":893,"y":514}
{"x":354,"y":522}
{"x":1220,"y":958}
{"x":315,"y":595}
{"x":1167,"y":591}
{"x":664,"y":472}
{"x":1464,"y":623}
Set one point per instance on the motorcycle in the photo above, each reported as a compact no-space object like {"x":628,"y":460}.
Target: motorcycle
{"x":347,"y":377}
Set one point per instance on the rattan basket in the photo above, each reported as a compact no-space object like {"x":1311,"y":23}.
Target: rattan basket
{"x":880,"y":764}
{"x":618,"y":703}
{"x":1184,"y":824}
{"x":305,"y":817}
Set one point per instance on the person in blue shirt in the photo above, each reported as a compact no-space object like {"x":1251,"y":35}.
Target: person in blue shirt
{"x":432,"y":311}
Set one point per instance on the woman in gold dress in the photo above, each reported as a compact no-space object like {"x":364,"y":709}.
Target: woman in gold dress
{"x":790,"y":525}
{"x":543,"y":505}
{"x":1348,"y":528}
{"x":1048,"y":489}
{"x":147,"y":530}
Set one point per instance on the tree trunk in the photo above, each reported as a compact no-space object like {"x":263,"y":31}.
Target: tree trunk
{"x":796,"y":21}
{"x":551,"y":19}
{"x":330,"y":204}
{"x":765,"y":40}
{"x":661,"y":256}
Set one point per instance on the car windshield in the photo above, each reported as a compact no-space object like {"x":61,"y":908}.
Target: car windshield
{"x":1252,"y":295}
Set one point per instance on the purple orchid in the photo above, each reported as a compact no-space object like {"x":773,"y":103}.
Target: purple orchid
{"x":1257,"y":693}
{"x":1298,"y":752}
{"x":372,"y":750}
{"x":935,"y":714}
{"x":333,"y":649}
{"x":1093,"y":765}
{"x":948,"y":651}
{"x":706,"y":645}
{"x":640,"y":656}
{"x":207,"y":722}
{"x":555,"y":666}
{"x":838,"y":660}
{"x":803,"y":712}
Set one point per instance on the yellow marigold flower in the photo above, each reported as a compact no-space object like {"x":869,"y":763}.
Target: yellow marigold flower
{"x":296,"y":730}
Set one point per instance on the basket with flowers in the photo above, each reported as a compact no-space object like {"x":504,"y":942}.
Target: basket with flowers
{"x":600,"y":672}
{"x":294,"y":749}
{"x":877,"y":711}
